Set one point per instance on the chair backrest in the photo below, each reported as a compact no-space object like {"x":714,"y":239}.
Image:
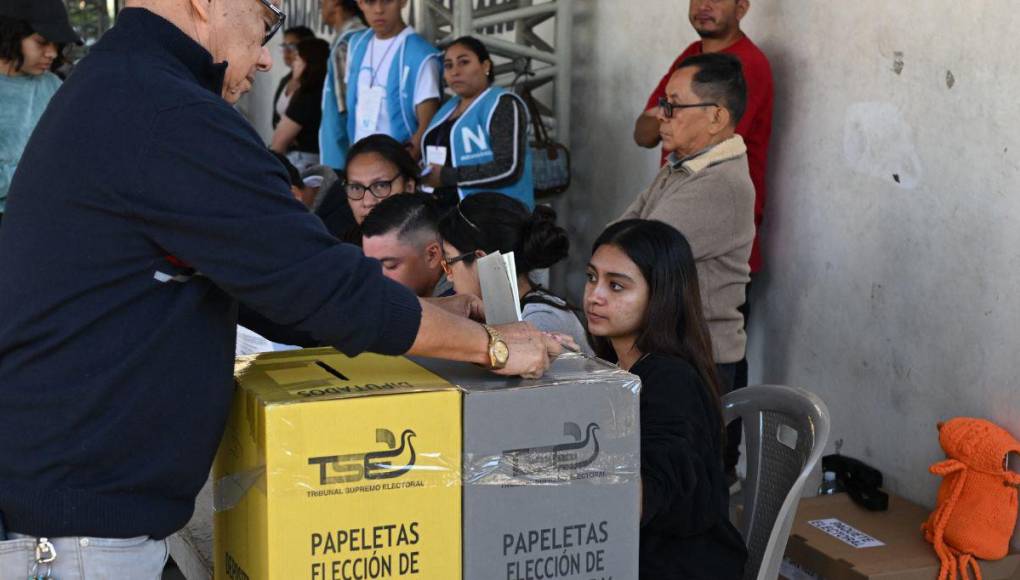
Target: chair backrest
{"x":785,"y":431}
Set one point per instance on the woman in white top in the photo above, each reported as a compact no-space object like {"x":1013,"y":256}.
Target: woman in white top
{"x":492,"y":222}
{"x":289,"y":83}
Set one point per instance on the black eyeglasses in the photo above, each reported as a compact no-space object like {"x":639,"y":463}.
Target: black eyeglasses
{"x":272,"y":29}
{"x":667,"y":107}
{"x":288,"y":46}
{"x":447,"y":262}
{"x":379,"y":189}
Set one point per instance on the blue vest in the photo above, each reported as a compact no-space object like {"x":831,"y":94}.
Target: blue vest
{"x":470,"y":143}
{"x":414,"y":54}
{"x":334,"y":141}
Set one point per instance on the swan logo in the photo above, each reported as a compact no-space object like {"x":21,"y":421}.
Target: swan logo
{"x":555,"y":460}
{"x":389,"y":463}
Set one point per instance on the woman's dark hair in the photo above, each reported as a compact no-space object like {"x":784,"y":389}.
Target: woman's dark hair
{"x":301,"y":32}
{"x":315,"y":53}
{"x":678,"y":327}
{"x":476,"y":46}
{"x":389,"y":149}
{"x":12,"y":32}
{"x":493,"y":222}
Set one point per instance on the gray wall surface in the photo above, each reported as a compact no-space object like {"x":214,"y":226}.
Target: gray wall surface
{"x":891,"y":242}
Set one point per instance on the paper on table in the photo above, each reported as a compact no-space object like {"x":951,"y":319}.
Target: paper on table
{"x":498,"y":279}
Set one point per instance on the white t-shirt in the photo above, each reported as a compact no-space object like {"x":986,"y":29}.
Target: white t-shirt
{"x":375,"y":72}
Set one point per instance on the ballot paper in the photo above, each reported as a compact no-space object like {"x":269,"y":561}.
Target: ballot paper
{"x":251,"y":342}
{"x":497,"y":274}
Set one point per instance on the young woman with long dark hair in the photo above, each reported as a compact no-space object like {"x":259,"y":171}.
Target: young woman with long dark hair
{"x":289,"y":83}
{"x":297,"y":134}
{"x":644,"y":313}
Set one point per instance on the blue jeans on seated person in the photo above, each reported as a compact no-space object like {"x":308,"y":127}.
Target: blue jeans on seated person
{"x":83,"y":558}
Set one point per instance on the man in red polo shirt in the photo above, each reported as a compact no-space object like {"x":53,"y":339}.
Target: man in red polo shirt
{"x":717,"y":22}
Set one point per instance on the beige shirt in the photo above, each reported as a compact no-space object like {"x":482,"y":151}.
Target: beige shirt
{"x":710,"y":199}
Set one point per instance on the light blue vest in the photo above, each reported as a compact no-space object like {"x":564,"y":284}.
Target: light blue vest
{"x":470,"y":143}
{"x":403,"y":78}
{"x":334,"y":141}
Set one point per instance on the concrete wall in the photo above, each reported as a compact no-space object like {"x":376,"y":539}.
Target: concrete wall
{"x":891,"y":238}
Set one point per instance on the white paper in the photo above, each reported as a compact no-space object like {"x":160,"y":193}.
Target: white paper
{"x":250,"y":342}
{"x":846,"y":533}
{"x":498,"y":280}
{"x":369,"y":105}
{"x":435,"y":155}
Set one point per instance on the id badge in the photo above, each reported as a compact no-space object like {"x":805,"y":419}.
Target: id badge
{"x":369,"y":106}
{"x":435,"y":155}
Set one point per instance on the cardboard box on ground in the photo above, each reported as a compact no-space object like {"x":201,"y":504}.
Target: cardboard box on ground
{"x":834,"y":539}
{"x":336,"y":468}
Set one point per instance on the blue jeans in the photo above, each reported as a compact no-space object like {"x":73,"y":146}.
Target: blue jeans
{"x":82,"y":558}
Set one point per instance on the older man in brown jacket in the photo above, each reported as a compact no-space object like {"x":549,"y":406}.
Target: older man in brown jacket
{"x":705,"y":191}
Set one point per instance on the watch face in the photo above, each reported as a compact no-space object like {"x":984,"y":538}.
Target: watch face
{"x":501,"y":352}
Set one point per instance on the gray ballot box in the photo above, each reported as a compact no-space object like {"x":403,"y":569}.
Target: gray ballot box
{"x":551,"y":471}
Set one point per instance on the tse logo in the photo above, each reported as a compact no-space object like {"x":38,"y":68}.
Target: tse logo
{"x":555,"y":460}
{"x":388,"y":464}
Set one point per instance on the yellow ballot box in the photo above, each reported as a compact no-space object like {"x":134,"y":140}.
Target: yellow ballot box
{"x":334,"y":468}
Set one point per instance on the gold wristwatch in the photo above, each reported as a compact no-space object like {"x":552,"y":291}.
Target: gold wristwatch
{"x":499,"y":352}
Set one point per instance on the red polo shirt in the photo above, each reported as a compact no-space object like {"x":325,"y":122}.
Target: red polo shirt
{"x":755,"y":126}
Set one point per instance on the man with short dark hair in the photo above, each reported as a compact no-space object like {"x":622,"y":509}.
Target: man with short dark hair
{"x":717,"y":22}
{"x":705,"y":191}
{"x":145,"y":208}
{"x":402,"y":233}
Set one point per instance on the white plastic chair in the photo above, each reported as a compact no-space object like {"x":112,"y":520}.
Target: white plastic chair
{"x":785,"y":431}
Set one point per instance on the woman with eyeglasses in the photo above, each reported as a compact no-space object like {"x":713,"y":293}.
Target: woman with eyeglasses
{"x":31,"y":40}
{"x":645,"y":314}
{"x":377,"y":167}
{"x":478,"y":141}
{"x":492,"y":222}
{"x":297,"y":134}
{"x":289,"y":83}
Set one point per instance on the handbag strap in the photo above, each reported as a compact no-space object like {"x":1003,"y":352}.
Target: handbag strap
{"x":541,"y":133}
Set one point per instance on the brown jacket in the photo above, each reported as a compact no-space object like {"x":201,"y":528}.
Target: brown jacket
{"x":710,"y":199}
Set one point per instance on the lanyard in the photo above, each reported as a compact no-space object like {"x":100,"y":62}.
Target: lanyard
{"x":371,"y":59}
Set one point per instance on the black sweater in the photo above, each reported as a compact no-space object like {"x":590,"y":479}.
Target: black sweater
{"x":144,"y":207}
{"x":685,"y":528}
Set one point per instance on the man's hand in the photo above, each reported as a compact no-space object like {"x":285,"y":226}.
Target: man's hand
{"x":414,"y":147}
{"x":449,"y":336}
{"x":531,"y":351}
{"x":646,"y":128}
{"x":464,"y":305}
{"x":566,"y":341}
{"x":433,"y":178}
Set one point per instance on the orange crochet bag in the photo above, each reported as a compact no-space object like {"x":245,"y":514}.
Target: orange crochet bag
{"x":976,"y":508}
